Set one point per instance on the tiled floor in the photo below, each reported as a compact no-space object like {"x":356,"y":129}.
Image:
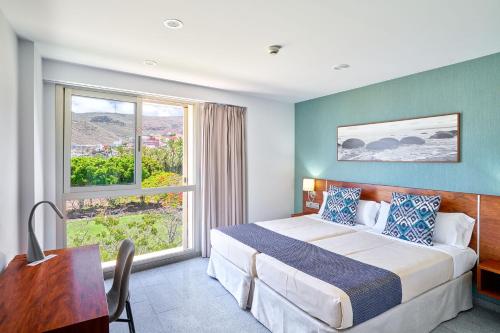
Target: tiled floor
{"x":181,"y":298}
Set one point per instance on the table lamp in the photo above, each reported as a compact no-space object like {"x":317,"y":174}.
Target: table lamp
{"x":35,"y":253}
{"x":308,"y":185}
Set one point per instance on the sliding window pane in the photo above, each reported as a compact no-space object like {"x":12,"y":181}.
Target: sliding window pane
{"x":163,"y":144}
{"x":155,"y":223}
{"x":102,"y":141}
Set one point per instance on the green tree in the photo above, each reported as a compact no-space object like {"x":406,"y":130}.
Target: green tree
{"x":119,"y":169}
{"x":169,"y":157}
{"x":98,"y":170}
{"x":158,"y":223}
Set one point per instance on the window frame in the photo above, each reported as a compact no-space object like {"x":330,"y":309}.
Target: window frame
{"x":67,"y":132}
{"x":63,"y":141}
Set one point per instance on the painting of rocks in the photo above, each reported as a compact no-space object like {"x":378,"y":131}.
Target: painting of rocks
{"x":429,"y":139}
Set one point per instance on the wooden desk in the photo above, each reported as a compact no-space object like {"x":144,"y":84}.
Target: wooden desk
{"x":63,"y":294}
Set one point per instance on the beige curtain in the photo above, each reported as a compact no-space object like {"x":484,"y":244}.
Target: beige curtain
{"x":223,"y":168}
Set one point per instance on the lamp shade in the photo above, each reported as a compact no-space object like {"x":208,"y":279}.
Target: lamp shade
{"x":308,"y":184}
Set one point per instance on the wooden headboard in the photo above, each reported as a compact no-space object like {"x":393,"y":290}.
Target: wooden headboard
{"x":488,"y":206}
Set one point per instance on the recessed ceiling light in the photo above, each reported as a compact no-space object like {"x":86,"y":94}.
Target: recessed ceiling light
{"x":274,"y":49}
{"x":341,"y":67}
{"x":173,"y":24}
{"x":150,"y":62}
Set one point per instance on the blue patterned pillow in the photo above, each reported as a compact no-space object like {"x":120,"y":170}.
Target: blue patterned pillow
{"x":412,"y":217}
{"x":341,"y":205}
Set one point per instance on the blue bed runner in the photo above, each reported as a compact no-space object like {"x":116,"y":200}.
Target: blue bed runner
{"x":372,"y":290}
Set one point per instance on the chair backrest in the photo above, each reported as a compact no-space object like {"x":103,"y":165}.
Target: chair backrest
{"x":122,"y":274}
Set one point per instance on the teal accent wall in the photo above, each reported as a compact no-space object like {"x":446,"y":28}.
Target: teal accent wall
{"x":471,"y":88}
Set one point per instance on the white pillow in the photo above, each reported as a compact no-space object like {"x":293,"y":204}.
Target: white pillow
{"x":453,"y":229}
{"x":366,"y":213}
{"x":383,"y":215}
{"x":323,"y":204}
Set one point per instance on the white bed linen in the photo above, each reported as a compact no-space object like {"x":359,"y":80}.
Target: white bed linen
{"x":420,"y":268}
{"x":421,"y":314}
{"x":306,"y":228}
{"x":238,"y":283}
{"x":464,"y":259}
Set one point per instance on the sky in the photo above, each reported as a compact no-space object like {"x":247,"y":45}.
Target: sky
{"x":80,"y":104}
{"x":448,"y":121}
{"x":162,"y":110}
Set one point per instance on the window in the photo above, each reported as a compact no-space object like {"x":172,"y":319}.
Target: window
{"x":163,"y":144}
{"x":101,"y":132}
{"x":156,"y":223}
{"x":127,"y":172}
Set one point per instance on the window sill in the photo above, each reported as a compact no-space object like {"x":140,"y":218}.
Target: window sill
{"x":152,"y":260}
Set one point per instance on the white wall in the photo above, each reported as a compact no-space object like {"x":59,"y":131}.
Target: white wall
{"x":270,"y":129}
{"x":9,"y":193}
{"x":30,"y":139}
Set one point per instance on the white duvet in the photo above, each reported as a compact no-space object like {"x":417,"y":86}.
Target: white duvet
{"x":420,"y":269}
{"x":306,"y":228}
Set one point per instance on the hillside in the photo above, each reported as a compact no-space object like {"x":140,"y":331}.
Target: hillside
{"x":106,"y":128}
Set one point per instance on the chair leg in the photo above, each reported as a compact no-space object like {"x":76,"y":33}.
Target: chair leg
{"x":130,"y":318}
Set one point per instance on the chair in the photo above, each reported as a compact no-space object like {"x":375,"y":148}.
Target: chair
{"x":118,"y":296}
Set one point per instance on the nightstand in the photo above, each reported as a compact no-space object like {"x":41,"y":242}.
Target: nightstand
{"x":302,"y":214}
{"x":488,"y":278}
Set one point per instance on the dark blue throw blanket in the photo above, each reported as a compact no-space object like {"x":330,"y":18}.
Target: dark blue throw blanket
{"x":372,"y":290}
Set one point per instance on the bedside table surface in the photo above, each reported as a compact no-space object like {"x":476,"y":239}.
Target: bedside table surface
{"x":302,"y":214}
{"x":490,"y":266}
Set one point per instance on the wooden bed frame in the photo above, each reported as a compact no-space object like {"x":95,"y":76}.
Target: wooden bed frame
{"x":450,"y":201}
{"x":485,"y":209}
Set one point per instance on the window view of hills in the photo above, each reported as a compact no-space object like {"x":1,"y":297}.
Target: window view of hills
{"x":94,"y":131}
{"x":103,"y":135}
{"x":103,"y":143}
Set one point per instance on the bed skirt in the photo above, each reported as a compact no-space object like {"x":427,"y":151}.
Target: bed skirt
{"x":421,"y":314}
{"x":237,"y":282}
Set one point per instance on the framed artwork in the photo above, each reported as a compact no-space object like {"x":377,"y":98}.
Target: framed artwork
{"x":426,"y":139}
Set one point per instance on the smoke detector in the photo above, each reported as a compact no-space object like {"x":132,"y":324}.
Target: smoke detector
{"x":340,"y":67}
{"x":274,"y":49}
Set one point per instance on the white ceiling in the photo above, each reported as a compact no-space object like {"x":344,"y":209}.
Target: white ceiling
{"x":223,"y":42}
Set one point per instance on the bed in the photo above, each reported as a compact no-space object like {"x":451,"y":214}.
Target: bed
{"x":421,"y":314}
{"x":419,"y":267}
{"x":435,"y":283}
{"x":233,"y":263}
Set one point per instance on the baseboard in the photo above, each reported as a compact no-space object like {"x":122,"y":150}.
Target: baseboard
{"x":487,"y":304}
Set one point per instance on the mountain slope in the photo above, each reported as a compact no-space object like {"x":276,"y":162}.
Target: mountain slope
{"x":107,"y":128}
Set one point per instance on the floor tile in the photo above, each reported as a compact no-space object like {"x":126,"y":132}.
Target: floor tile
{"x":181,"y":297}
{"x":163,"y":297}
{"x":152,"y":278}
{"x":178,"y":320}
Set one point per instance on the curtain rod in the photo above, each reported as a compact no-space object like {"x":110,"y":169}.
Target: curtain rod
{"x":238,"y":106}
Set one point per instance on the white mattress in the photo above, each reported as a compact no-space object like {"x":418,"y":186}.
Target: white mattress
{"x":306,"y":228}
{"x":420,"y":269}
{"x":463,"y":259}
